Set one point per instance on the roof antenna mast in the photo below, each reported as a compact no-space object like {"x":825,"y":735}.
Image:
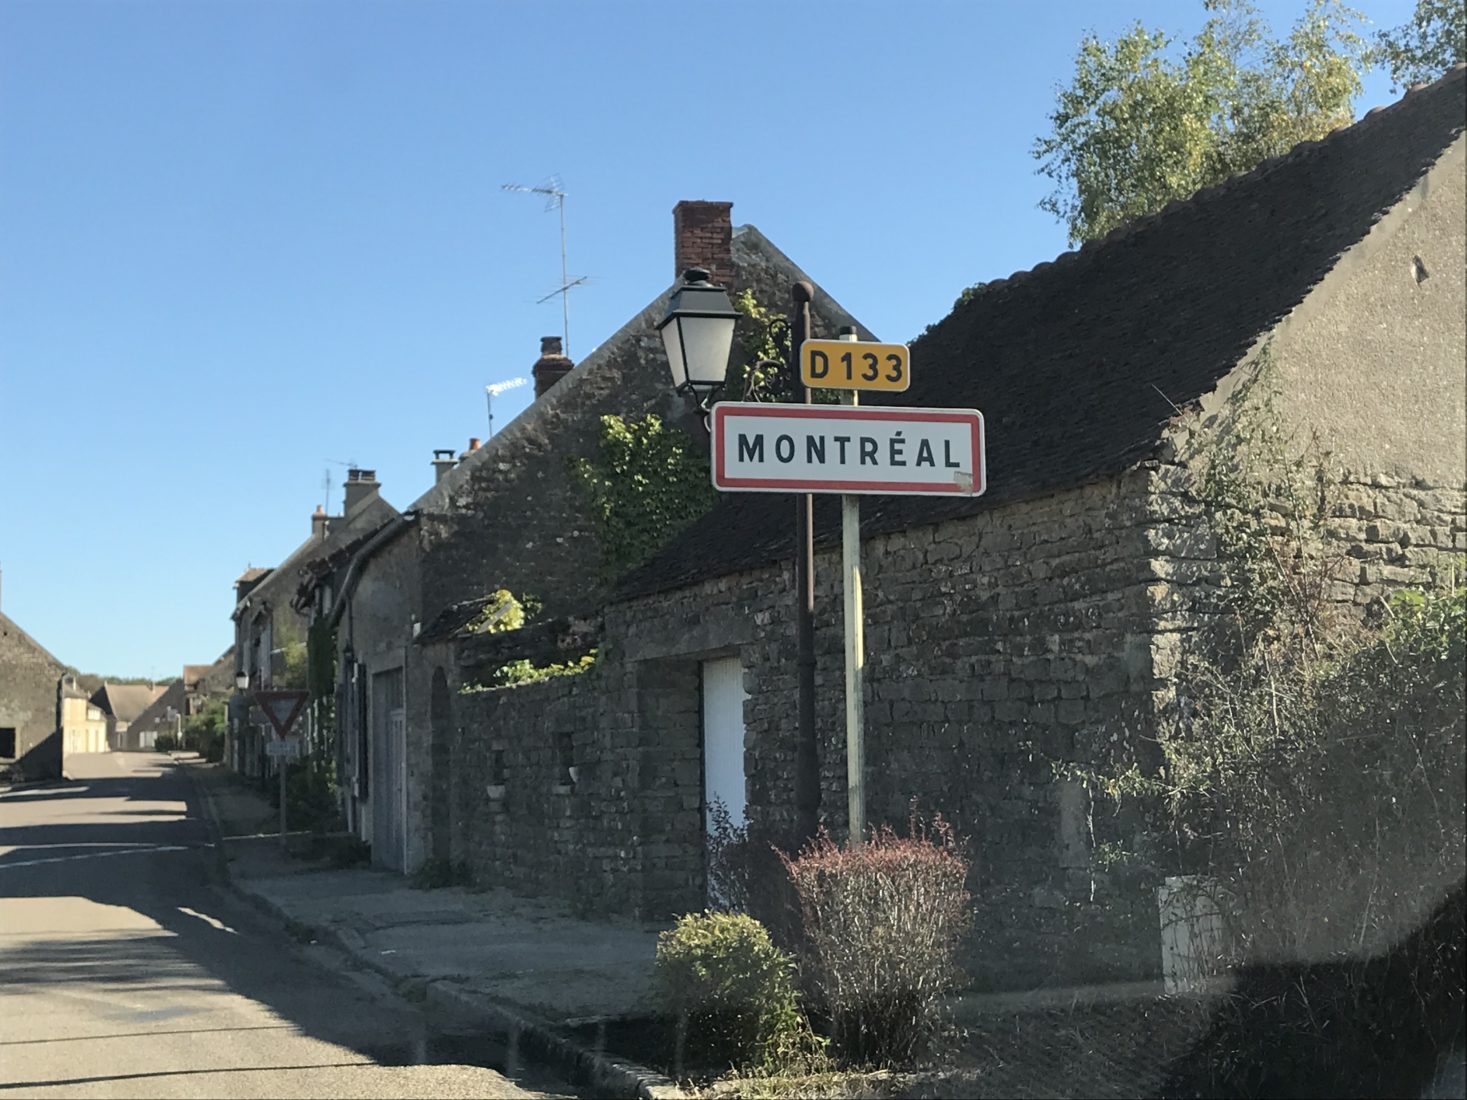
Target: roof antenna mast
{"x":555,"y":200}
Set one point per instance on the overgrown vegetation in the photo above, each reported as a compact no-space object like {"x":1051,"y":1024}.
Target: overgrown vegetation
{"x":746,"y":874}
{"x":731,"y":992}
{"x":203,"y":732}
{"x":502,"y":613}
{"x":883,"y":922}
{"x":516,"y":673}
{"x":1432,"y":42}
{"x":647,"y":482}
{"x":874,"y":930}
{"x":1309,"y":770}
{"x":1143,"y":123}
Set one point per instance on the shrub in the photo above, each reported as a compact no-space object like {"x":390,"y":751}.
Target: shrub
{"x":884,"y":920}
{"x":165,"y":742}
{"x":746,"y":875}
{"x":730,"y":989}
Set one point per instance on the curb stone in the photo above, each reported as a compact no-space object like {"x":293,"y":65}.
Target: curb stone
{"x":211,"y":823}
{"x":597,"y":1070}
{"x":541,"y":1036}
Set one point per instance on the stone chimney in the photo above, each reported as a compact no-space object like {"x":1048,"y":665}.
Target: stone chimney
{"x":552,"y":365}
{"x":473,"y":446}
{"x":443,"y":461}
{"x":361,"y":486}
{"x":319,"y":521}
{"x":703,"y":237}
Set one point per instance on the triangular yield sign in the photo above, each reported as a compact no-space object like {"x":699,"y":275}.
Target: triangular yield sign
{"x":282,"y":708}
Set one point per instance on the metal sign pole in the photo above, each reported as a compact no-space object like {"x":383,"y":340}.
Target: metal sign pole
{"x":850,"y":543}
{"x":281,"y":762}
{"x":282,"y":708}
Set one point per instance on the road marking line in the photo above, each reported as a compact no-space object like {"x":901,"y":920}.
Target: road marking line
{"x":215,"y":921}
{"x":100,"y":855}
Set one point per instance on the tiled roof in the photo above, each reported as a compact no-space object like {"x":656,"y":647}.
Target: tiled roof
{"x":367,"y":518}
{"x":1079,"y":364}
{"x":126,"y":701}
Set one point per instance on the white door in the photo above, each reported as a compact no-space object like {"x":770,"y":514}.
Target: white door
{"x":723,"y":737}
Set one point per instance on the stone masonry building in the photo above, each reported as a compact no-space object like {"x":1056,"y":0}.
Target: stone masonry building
{"x":1038,"y":625}
{"x":30,"y":678}
{"x":507,"y":515}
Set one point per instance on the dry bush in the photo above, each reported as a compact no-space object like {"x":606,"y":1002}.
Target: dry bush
{"x":884,"y":920}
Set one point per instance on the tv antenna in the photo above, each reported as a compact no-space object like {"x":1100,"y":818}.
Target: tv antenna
{"x":493,"y":390}
{"x":326,"y":480}
{"x":555,"y":200}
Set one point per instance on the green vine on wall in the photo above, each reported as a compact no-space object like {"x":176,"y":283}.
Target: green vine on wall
{"x":502,"y":613}
{"x":646,"y":483}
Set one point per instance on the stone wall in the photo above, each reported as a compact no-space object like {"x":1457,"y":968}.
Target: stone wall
{"x":999,"y":648}
{"x":29,"y":702}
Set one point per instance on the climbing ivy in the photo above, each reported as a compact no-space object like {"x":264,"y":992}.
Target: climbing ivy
{"x":754,"y":375}
{"x":646,"y":483}
{"x":526,"y":672}
{"x":502,"y":612}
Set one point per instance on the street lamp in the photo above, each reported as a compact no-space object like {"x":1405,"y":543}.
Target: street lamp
{"x":698,"y":334}
{"x":241,"y":681}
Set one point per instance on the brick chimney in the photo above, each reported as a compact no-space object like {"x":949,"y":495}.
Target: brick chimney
{"x":702,"y":235}
{"x":319,"y":521}
{"x":551,"y":367}
{"x":361,"y":486}
{"x":443,"y":461}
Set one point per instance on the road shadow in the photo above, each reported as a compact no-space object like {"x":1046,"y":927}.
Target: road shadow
{"x":174,"y":936}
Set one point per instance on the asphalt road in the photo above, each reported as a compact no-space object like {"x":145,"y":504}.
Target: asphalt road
{"x":125,"y":972}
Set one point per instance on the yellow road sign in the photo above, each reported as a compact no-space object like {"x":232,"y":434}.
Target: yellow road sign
{"x":855,"y":365}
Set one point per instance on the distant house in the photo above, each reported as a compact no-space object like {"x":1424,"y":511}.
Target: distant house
{"x":164,"y":714}
{"x":184,"y":698}
{"x":204,"y":683}
{"x":30,"y":738}
{"x":83,"y":722}
{"x":269,"y":633}
{"x":1012,"y":635}
{"x":122,"y":704}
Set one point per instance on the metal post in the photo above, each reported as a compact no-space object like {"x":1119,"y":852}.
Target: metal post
{"x":850,"y":543}
{"x":807,"y":757}
{"x":280,"y":762}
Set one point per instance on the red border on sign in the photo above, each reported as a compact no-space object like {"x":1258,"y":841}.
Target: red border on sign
{"x":725,"y":409}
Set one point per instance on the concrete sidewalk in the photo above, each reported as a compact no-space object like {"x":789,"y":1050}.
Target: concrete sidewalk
{"x":515,"y":963}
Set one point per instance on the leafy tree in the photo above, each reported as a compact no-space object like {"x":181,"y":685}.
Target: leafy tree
{"x":204,"y":732}
{"x":1140,"y":126}
{"x":1432,"y":42}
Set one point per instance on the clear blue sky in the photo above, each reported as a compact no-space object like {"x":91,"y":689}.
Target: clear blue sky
{"x":242,"y":241}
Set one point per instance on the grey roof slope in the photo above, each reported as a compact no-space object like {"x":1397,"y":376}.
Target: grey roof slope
{"x":283,"y":579}
{"x":1079,"y":364}
{"x":126,"y":701}
{"x":155,"y":715}
{"x":9,"y":626}
{"x":752,"y":252}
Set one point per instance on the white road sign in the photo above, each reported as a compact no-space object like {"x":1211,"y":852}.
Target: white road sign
{"x":843,"y":449}
{"x":287,"y":746}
